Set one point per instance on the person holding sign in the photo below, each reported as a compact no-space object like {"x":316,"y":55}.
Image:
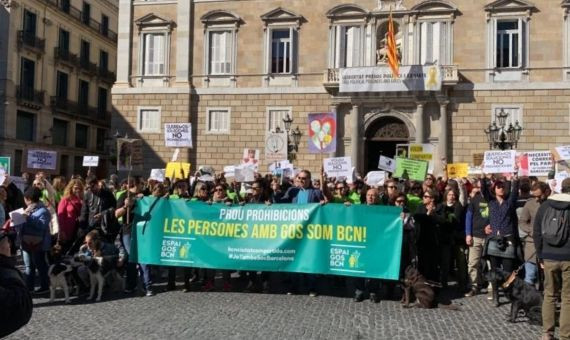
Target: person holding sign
{"x":502,"y":231}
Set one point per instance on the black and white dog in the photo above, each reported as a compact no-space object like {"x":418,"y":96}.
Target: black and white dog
{"x":96,"y":270}
{"x":523,"y":296}
{"x":58,"y":273}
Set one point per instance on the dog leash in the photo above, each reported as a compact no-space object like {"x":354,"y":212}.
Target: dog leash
{"x":514,"y":274}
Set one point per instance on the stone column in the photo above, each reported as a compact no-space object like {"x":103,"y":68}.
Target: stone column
{"x":124,"y":42}
{"x":183,"y":41}
{"x":355,"y":136}
{"x":420,"y":129}
{"x":443,"y":129}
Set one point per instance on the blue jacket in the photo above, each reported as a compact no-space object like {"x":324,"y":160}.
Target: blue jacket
{"x":41,"y":219}
{"x":290,"y":196}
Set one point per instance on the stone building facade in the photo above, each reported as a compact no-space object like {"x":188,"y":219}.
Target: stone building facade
{"x":57,"y":68}
{"x":234,"y":69}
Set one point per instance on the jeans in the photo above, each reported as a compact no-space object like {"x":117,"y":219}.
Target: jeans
{"x":530,"y":271}
{"x":556,"y":280}
{"x":32,"y":261}
{"x":144,"y":269}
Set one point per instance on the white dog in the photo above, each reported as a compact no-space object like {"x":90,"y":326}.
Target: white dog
{"x":57,"y":279}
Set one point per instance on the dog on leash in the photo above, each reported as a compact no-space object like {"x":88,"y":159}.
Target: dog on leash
{"x":523,"y":296}
{"x":94,"y":265}
{"x":418,"y":288}
{"x":57,"y":273}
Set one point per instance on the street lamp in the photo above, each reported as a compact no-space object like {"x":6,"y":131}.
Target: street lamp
{"x":293,"y":138}
{"x":500,"y":136}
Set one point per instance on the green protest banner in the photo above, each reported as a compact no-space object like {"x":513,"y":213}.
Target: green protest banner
{"x":411,"y":169}
{"x":359,"y":240}
{"x":5,"y":164}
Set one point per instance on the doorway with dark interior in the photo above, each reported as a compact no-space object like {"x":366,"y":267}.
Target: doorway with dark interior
{"x":381,"y":139}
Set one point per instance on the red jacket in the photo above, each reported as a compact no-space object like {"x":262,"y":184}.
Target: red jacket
{"x":68,"y":212}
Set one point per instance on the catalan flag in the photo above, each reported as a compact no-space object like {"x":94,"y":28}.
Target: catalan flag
{"x":393,"y":61}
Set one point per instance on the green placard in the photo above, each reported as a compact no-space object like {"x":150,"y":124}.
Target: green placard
{"x":411,"y":169}
{"x":5,"y":163}
{"x":360,"y":240}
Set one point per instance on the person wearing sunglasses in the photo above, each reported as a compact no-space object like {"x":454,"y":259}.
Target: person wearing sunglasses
{"x":502,"y":224}
{"x":390,"y":192}
{"x":414,"y":197}
{"x":15,"y":298}
{"x":303,"y":193}
{"x":429,"y":219}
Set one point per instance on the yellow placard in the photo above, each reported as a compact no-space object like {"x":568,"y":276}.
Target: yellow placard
{"x":457,"y":170}
{"x":177,"y":170}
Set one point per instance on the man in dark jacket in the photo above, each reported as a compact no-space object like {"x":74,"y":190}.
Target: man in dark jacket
{"x":15,"y":298}
{"x":555,"y":260}
{"x":97,"y":202}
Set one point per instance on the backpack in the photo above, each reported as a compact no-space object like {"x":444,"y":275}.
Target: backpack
{"x":555,"y":226}
{"x":33,"y":234}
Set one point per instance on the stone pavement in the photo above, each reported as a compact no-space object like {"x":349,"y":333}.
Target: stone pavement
{"x":219,"y":315}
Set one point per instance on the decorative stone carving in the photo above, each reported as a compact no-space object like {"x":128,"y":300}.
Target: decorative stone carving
{"x":392,"y":130}
{"x":384,"y":5}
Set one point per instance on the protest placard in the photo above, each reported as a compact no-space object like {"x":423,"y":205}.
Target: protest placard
{"x":561,"y":153}
{"x":89,"y":161}
{"x":457,"y":170}
{"x":229,"y":171}
{"x":402,"y":150}
{"x":178,"y":135}
{"x":412,"y":169}
{"x":387,"y":164}
{"x":499,"y":161}
{"x":556,"y":183}
{"x":478,"y":159}
{"x":322,"y":132}
{"x":157,"y":175}
{"x":41,"y":160}
{"x":5,"y":164}
{"x":250,"y":157}
{"x":177,"y":170}
{"x":245,"y":173}
{"x":375,"y":178}
{"x":535,"y":163}
{"x":275,"y":146}
{"x":130,"y":155}
{"x":422,"y":152}
{"x":338,"y":167}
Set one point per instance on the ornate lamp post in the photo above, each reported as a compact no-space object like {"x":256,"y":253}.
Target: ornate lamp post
{"x":293,"y":138}
{"x":500,"y":136}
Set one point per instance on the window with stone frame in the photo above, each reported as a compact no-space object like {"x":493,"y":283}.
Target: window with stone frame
{"x":508,"y":37}
{"x":25,"y":126}
{"x":218,"y":120}
{"x":59,"y":132}
{"x":149,"y":119}
{"x":281,"y":29}
{"x":81,"y":136}
{"x":220,"y":42}
{"x":566,"y":39}
{"x":275,"y":117}
{"x":430,"y":33}
{"x":154,"y":47}
{"x":347,"y":36}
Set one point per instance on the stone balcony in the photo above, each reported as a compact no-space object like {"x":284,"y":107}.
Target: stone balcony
{"x":331,"y":77}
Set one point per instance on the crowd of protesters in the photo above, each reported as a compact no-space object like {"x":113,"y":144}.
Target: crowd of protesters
{"x":445,"y":225}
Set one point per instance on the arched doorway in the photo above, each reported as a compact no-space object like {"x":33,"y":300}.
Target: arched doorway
{"x":381,"y":139}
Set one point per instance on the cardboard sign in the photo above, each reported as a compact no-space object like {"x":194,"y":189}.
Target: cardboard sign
{"x":178,"y":135}
{"x":338,"y":167}
{"x":89,"y":161}
{"x":499,"y":162}
{"x":275,"y":146}
{"x":422,"y":152}
{"x":387,"y":164}
{"x":177,"y":170}
{"x":250,"y":157}
{"x":411,"y":169}
{"x":244,"y":173}
{"x":229,"y":171}
{"x":561,"y":153}
{"x":457,"y":170}
{"x":157,"y":175}
{"x":322,"y":132}
{"x":375,"y":178}
{"x":535,"y":163}
{"x":5,"y":164}
{"x":402,"y":150}
{"x":130,"y":155}
{"x":556,"y":183}
{"x":42,"y":160}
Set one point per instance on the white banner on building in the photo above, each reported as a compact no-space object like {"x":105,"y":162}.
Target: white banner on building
{"x":498,"y":162}
{"x":380,"y":79}
{"x":338,"y":167}
{"x":275,"y":146}
{"x":178,"y":135}
{"x":42,"y":160}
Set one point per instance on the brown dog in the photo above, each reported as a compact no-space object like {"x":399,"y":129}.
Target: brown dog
{"x":416,"y":286}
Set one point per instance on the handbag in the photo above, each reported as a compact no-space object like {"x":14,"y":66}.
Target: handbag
{"x":501,"y":246}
